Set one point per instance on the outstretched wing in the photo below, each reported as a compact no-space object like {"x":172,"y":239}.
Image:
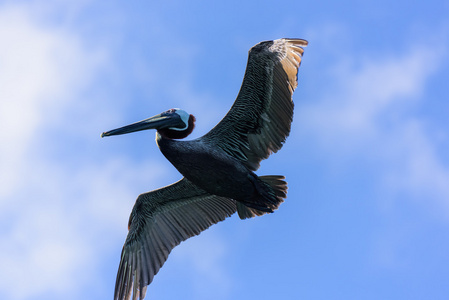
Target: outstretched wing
{"x":159,"y":221}
{"x":259,"y":121}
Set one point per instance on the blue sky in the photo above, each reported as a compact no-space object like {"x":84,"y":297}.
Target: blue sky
{"x":367,"y":213}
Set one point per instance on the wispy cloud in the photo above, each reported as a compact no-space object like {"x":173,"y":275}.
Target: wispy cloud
{"x":41,"y":71}
{"x":64,"y":201}
{"x":53,"y":214}
{"x":60,"y":209}
{"x":370,"y":114}
{"x":206,"y":257}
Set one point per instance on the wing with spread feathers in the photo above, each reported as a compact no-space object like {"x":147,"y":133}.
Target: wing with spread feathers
{"x":159,"y":221}
{"x":259,"y":120}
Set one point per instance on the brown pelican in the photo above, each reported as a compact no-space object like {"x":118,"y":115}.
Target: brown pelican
{"x":217,"y":167}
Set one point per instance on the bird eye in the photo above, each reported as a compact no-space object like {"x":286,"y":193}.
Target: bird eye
{"x":167,"y":112}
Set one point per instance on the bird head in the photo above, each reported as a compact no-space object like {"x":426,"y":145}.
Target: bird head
{"x":174,"y":123}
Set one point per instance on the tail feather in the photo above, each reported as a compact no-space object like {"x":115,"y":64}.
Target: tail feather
{"x":272,"y":192}
{"x":246,"y":212}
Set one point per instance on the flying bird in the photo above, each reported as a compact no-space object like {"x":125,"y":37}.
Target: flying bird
{"x":218,"y":168}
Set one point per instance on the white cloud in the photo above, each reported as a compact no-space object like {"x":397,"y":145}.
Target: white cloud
{"x":206,"y":257}
{"x":63,"y":222}
{"x":39,"y":69}
{"x":372,"y":90}
{"x":421,"y":174}
{"x":368,"y":115}
{"x":41,"y":253}
{"x":49,"y":212}
{"x":42,"y":243}
{"x":60,"y":215}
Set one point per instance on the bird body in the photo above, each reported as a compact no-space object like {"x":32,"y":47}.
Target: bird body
{"x":218,"y":168}
{"x":194,"y":159}
{"x":217,"y":172}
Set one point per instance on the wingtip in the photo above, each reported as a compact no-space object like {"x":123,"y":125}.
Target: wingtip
{"x":299,"y":42}
{"x":297,"y":45}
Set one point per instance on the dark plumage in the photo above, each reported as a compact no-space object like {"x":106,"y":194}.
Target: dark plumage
{"x":217,"y":167}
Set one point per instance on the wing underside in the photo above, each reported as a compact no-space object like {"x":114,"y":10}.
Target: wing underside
{"x":160,"y":220}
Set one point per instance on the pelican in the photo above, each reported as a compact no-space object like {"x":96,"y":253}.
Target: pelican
{"x":218,"y":168}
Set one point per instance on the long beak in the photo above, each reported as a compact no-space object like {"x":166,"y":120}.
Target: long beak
{"x":156,"y":122}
